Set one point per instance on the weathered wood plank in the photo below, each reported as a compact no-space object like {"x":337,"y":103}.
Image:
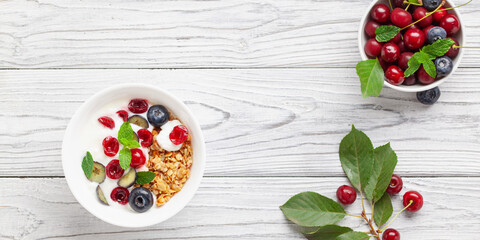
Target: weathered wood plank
{"x":232,"y":208}
{"x":263,"y":122}
{"x":189,"y":33}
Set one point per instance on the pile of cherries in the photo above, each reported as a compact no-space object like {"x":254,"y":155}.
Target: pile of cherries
{"x":394,"y":54}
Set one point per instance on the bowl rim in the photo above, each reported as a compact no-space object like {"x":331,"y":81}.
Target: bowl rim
{"x":194,"y":182}
{"x":416,"y":87}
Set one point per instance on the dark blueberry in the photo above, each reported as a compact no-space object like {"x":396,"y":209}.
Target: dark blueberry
{"x":444,"y":66}
{"x":139,"y":121}
{"x":158,"y":115}
{"x":436,"y":33}
{"x":431,"y":5}
{"x":429,"y":97}
{"x":140,"y":199}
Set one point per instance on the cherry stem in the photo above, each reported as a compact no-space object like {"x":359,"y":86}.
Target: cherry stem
{"x":353,"y":215}
{"x":406,"y":9}
{"x":419,"y":20}
{"x":446,"y":9}
{"x":409,"y":204}
{"x":373,"y":208}
{"x":454,"y":46}
{"x":370,"y":224}
{"x":390,"y":3}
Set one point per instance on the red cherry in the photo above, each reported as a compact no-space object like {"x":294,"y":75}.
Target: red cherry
{"x":373,"y":48}
{"x":396,"y":184}
{"x":416,"y":198}
{"x":123,"y":114}
{"x":414,"y":39}
{"x":380,"y":13}
{"x":403,"y":60}
{"x":396,"y":39}
{"x":425,"y":30}
{"x":419,"y":13}
{"x":384,"y":64}
{"x":179,"y":134}
{"x":370,"y":28}
{"x":390,"y":52}
{"x":401,"y":46}
{"x":114,"y":170}
{"x":437,"y":16}
{"x":394,"y":75}
{"x":423,"y":77}
{"x":138,"y":105}
{"x":410,"y":80}
{"x":110,"y":146}
{"x":107,"y":122}
{"x":146,"y":137}
{"x":399,"y":3}
{"x":453,"y":52}
{"x":400,"y":17}
{"x":414,"y":26}
{"x":120,"y":195}
{"x":390,"y":234}
{"x":450,"y":23}
{"x":138,"y":159}
{"x":346,"y":194}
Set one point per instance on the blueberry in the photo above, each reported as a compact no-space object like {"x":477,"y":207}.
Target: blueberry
{"x":429,"y":97}
{"x":158,"y":115}
{"x":436,"y":33}
{"x":444,"y":66}
{"x":140,"y":199}
{"x":431,"y":5}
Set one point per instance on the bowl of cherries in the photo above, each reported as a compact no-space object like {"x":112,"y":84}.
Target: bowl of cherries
{"x":414,"y":44}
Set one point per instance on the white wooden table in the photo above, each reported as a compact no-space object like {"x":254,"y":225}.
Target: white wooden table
{"x":274,"y":86}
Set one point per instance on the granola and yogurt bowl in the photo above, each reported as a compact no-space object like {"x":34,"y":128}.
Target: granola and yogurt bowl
{"x":133,"y":155}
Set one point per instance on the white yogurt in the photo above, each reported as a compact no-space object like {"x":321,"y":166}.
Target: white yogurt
{"x":163,"y":137}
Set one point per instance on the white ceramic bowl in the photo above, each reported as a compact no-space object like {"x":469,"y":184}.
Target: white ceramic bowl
{"x":72,"y":157}
{"x":460,"y":36}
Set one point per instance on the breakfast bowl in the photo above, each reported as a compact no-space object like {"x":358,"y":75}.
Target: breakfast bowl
{"x":414,"y":86}
{"x":166,"y":179}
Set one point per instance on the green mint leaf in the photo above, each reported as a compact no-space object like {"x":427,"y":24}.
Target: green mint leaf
{"x":125,"y":133}
{"x":413,"y":66}
{"x":125,"y":158}
{"x":129,"y":143}
{"x":357,"y":158}
{"x":414,"y":2}
{"x":371,"y":77}
{"x":426,"y":60}
{"x":353,"y":236}
{"x":438,"y":48}
{"x":145,"y":177}
{"x":383,"y":210}
{"x":328,"y":232}
{"x":310,"y":209}
{"x":430,"y":68}
{"x":385,"y":161}
{"x":87,"y":165}
{"x":385,"y":33}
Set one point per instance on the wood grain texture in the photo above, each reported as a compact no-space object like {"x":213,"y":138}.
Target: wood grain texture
{"x":262,"y":122}
{"x":189,"y":33}
{"x":233,"y":208}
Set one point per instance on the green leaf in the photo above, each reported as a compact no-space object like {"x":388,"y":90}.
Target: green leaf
{"x":129,"y":143}
{"x":415,"y":2}
{"x":438,"y":48}
{"x":371,"y":77}
{"x":353,"y":236}
{"x":430,"y":68}
{"x":385,"y":33}
{"x":328,"y":232}
{"x":413,"y":66}
{"x":423,"y":59}
{"x":126,"y":136}
{"x":145,"y":177}
{"x":87,"y":165}
{"x":383,"y":210}
{"x":356,"y":157}
{"x":385,"y":161}
{"x":310,"y":209}
{"x":125,"y":158}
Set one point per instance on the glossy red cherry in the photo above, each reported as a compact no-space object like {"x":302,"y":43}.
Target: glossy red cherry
{"x":110,"y":146}
{"x":416,"y":199}
{"x":394,"y":75}
{"x":346,"y":194}
{"x":138,"y":105}
{"x":380,"y":13}
{"x":114,"y":170}
{"x":414,"y":26}
{"x":453,"y":52}
{"x":384,"y":64}
{"x":107,"y":122}
{"x":138,"y":159}
{"x":370,"y":28}
{"x":373,"y":48}
{"x":145,"y":137}
{"x":403,"y":60}
{"x":120,"y":195}
{"x":437,"y":16}
{"x":390,"y":234}
{"x":179,"y":134}
{"x":425,"y":30}
{"x":396,"y":184}
{"x":414,"y":39}
{"x":450,"y":23}
{"x":400,"y":17}
{"x":123,"y":115}
{"x":419,"y":13}
{"x":390,"y":52}
{"x":396,"y":39}
{"x":423,"y":77}
{"x":410,"y":80}
{"x":401,"y":46}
